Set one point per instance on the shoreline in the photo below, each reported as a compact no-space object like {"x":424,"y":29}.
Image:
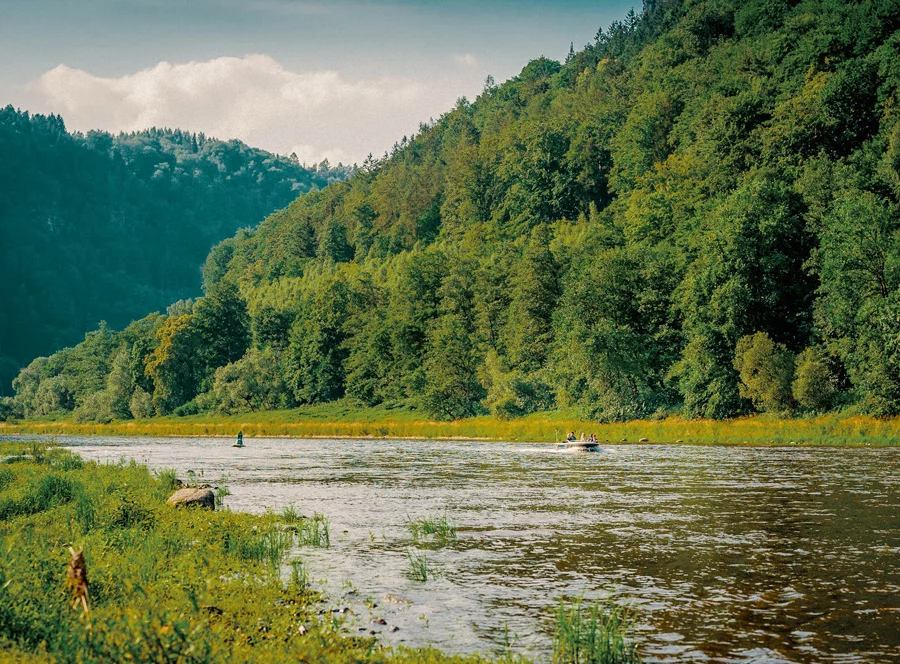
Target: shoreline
{"x":753,"y":431}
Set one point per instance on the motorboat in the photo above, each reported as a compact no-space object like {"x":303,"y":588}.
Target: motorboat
{"x":579,"y":445}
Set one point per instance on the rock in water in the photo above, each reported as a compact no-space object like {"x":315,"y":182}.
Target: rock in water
{"x":193,"y":498}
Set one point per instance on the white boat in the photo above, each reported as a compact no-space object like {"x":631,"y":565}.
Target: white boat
{"x":584,"y":445}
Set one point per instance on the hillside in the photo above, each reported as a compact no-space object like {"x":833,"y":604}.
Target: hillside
{"x":696,"y":214}
{"x":103,"y":227}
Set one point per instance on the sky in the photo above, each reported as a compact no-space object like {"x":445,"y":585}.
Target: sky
{"x":335,"y":80}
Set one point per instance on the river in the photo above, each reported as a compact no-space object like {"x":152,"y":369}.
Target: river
{"x":724,"y":554}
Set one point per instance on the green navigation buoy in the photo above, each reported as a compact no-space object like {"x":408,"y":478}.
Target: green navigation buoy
{"x":240,"y":440}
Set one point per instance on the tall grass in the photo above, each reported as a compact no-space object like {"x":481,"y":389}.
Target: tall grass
{"x":314,"y":531}
{"x":341,"y":420}
{"x":418,"y":566}
{"x":592,"y":633}
{"x":441,"y":526}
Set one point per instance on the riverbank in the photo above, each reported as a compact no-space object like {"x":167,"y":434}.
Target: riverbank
{"x":163,"y":584}
{"x":342,"y":421}
{"x":96,"y":566}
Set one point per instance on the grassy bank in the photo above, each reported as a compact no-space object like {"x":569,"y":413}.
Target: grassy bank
{"x":165,"y":585}
{"x":192,"y":586}
{"x":342,"y":421}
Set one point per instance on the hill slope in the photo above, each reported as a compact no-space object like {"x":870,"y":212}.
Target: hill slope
{"x":109,"y":227}
{"x":697,"y":213}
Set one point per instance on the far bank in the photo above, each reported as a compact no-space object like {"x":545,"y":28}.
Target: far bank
{"x":333,"y":421}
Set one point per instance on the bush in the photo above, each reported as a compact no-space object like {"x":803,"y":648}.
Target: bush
{"x":141,"y":404}
{"x":813,"y":387}
{"x":766,"y":370}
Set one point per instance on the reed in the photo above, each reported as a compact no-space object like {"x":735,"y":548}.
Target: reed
{"x":440,"y":526}
{"x":314,"y":531}
{"x":291,"y":514}
{"x":342,"y":421}
{"x":592,"y":633}
{"x":418,"y":566}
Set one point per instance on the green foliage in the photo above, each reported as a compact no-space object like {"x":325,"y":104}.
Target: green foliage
{"x":814,"y":385}
{"x":766,"y":370}
{"x":597,"y":235}
{"x":252,"y":383}
{"x":418,"y":566}
{"x":593,"y":633}
{"x":165,"y":585}
{"x":451,"y":388}
{"x":98,"y":226}
{"x":175,"y":366}
{"x":440,"y":526}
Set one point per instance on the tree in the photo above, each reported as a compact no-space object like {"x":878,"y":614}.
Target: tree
{"x":451,"y":388}
{"x":176,"y":366}
{"x":813,"y":388}
{"x":766,"y":370}
{"x":221,"y":321}
{"x":535,"y":291}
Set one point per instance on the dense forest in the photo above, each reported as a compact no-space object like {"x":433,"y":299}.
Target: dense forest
{"x":697,"y":214}
{"x":100,"y":227}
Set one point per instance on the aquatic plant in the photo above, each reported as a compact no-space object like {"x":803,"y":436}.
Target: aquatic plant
{"x":418,"y":566}
{"x":314,"y":531}
{"x":291,"y":514}
{"x":593,"y":633}
{"x":168,"y":480}
{"x":299,"y":574}
{"x":441,"y":526}
{"x":222,"y":491}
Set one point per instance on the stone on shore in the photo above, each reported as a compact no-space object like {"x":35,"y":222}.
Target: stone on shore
{"x":193,"y":498}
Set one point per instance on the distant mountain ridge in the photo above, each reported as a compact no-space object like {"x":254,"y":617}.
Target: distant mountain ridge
{"x":103,"y":227}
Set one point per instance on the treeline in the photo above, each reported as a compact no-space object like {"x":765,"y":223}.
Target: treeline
{"x":97,"y":226}
{"x":697,"y":213}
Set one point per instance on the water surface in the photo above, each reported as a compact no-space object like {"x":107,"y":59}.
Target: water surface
{"x":725,"y":554}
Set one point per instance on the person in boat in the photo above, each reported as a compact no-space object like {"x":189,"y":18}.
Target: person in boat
{"x":583,"y":439}
{"x":571,"y":437}
{"x":592,"y":438}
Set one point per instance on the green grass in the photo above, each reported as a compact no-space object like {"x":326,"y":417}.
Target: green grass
{"x":440,"y":526}
{"x":341,"y":420}
{"x":166,"y":584}
{"x":592,"y":633}
{"x":314,"y":531}
{"x":418,"y":566}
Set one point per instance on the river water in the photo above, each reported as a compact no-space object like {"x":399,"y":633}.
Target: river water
{"x":724,"y":554}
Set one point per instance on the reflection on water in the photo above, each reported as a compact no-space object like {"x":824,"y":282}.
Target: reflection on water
{"x":726,"y":554}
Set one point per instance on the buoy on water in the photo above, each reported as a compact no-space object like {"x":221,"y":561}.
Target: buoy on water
{"x":240,"y":440}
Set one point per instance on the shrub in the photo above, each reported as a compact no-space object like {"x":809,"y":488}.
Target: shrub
{"x":766,"y":370}
{"x":813,"y":387}
{"x":141,"y":404}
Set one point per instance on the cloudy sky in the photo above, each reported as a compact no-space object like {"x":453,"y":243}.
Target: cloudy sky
{"x":336,"y":79}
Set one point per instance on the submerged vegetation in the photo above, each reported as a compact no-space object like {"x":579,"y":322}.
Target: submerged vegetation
{"x":419,"y":569}
{"x":695,"y":216}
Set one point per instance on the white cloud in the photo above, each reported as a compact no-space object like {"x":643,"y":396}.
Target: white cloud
{"x":253,"y":98}
{"x":466,"y":59}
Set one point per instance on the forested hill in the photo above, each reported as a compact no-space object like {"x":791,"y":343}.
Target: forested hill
{"x":697,"y":213}
{"x":100,"y":227}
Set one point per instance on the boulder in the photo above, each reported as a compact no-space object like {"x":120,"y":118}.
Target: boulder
{"x":193,"y":498}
